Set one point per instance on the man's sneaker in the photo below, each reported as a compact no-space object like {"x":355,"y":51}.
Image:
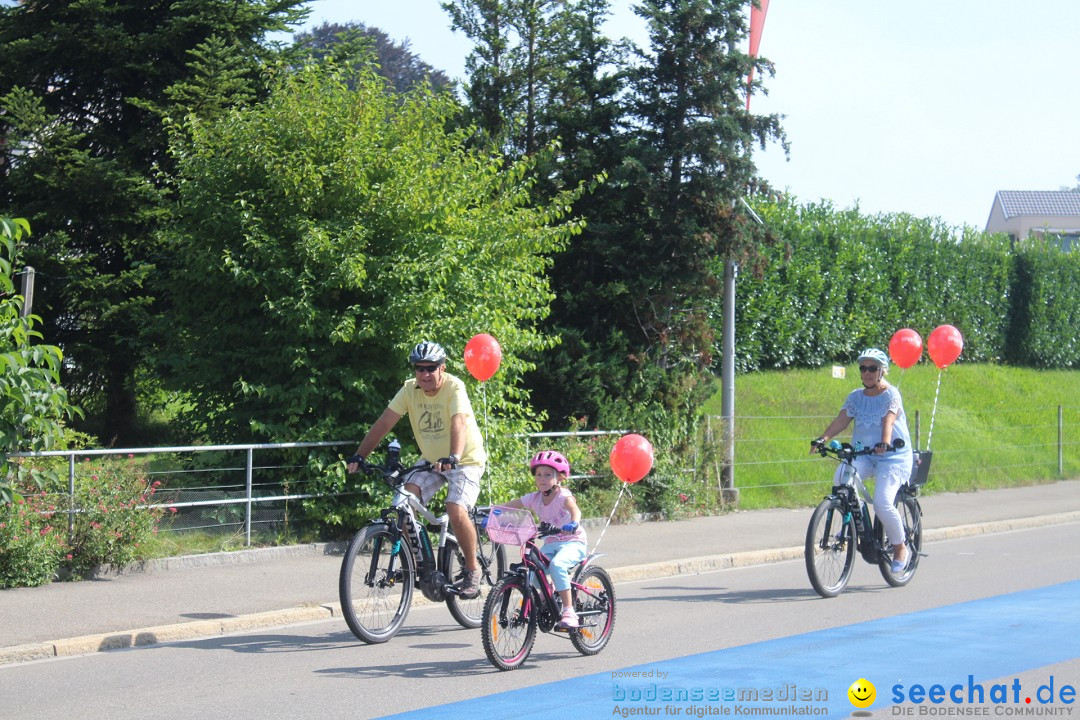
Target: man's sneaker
{"x":470,"y":586}
{"x":568,"y":620}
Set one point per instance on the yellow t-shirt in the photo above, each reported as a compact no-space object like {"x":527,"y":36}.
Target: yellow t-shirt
{"x":430,"y":419}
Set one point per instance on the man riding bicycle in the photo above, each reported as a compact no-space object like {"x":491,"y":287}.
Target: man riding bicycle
{"x":445,"y":429}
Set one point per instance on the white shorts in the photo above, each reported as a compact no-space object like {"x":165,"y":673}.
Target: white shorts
{"x":464,"y":482}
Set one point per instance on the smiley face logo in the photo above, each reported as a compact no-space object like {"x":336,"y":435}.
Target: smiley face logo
{"x":862,"y":693}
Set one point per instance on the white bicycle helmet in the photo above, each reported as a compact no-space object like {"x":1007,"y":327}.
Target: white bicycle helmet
{"x":877,"y":356}
{"x":427,"y":351}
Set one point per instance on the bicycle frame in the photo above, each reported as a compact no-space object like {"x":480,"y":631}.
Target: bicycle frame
{"x":533,"y":568}
{"x":860,"y":504}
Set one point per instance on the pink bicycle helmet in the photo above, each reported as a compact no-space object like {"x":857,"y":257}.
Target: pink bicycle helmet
{"x":552,"y":459}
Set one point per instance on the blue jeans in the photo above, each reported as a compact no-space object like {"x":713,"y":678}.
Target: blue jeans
{"x":563,"y":556}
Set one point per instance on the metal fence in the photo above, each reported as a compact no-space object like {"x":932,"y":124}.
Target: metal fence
{"x":239,"y":494}
{"x":246,"y":488}
{"x":772,"y":452}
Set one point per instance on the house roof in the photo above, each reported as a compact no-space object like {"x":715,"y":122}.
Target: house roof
{"x":1038,"y":202}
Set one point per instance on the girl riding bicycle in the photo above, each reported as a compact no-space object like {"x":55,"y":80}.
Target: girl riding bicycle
{"x":878,"y":412}
{"x":556,"y":506}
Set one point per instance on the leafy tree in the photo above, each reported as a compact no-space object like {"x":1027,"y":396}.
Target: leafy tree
{"x":325,"y":230}
{"x":81,"y":88}
{"x":395,"y":61}
{"x":32,"y":403}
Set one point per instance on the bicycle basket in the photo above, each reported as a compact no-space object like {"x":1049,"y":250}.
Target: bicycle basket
{"x":510,"y":526}
{"x":920,"y":468}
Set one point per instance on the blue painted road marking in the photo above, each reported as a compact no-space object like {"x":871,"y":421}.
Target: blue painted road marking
{"x":987,"y":639}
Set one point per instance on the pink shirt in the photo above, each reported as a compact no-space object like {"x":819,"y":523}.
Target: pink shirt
{"x":554,"y":513}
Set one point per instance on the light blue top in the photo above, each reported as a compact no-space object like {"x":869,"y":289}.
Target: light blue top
{"x":869,"y":412}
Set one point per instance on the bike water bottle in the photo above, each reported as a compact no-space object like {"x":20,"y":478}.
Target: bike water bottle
{"x":393,"y":452}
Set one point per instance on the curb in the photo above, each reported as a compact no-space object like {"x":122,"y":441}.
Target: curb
{"x":276,"y":618}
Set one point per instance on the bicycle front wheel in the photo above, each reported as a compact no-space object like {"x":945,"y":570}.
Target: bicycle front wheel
{"x":376,"y":584}
{"x":911,"y":517}
{"x":594,"y":602}
{"x":830,"y":548}
{"x":509,"y":626}
{"x":491,"y":558}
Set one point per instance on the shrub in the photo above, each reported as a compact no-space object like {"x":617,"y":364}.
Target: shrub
{"x":30,"y":547}
{"x":113,"y":523}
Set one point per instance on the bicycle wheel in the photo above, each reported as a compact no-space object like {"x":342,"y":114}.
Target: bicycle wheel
{"x":376,"y":584}
{"x":492,"y":560}
{"x":594,"y":603}
{"x":911,"y":517}
{"x":509,"y":626}
{"x":830,"y":549}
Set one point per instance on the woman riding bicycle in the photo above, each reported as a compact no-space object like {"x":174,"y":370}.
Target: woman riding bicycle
{"x":556,"y":506}
{"x":878,"y":412}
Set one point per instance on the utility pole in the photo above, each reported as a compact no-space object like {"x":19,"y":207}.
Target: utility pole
{"x":728,"y":492}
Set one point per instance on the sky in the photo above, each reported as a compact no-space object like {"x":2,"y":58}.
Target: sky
{"x":920,"y":106}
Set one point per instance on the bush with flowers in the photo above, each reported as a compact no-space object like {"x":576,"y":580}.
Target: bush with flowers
{"x":31,"y":546}
{"x":113,"y":523}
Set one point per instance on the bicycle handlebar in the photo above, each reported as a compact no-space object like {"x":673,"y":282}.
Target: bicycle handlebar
{"x":393,"y":472}
{"x":845,"y":451}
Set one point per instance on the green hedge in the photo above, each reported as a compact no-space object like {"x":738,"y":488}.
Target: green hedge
{"x":839,"y":281}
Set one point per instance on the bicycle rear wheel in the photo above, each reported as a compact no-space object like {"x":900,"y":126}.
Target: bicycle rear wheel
{"x":491,"y":558}
{"x":830,"y":548}
{"x":594,"y":603}
{"x":376,"y":584}
{"x":911,"y":517}
{"x":509,"y":627}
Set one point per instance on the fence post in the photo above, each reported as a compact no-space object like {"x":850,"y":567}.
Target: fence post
{"x":247,"y":495}
{"x":1061,"y":435}
{"x":71,"y":499}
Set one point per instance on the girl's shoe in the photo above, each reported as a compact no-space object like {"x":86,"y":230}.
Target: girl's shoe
{"x":568,"y":620}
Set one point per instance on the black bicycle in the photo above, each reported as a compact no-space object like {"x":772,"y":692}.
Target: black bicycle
{"x":841,"y":525}
{"x":524,"y":599}
{"x":387,"y":559}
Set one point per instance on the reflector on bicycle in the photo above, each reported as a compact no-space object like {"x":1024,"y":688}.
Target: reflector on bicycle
{"x":510,"y":526}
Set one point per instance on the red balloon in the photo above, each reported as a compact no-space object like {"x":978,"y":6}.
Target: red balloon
{"x":905,"y":348}
{"x":944,"y":345}
{"x":631,"y":458}
{"x":482,"y":356}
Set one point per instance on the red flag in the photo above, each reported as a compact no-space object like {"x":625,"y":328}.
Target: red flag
{"x":757,"y":24}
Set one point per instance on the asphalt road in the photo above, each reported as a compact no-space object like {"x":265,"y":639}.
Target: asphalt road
{"x":321,"y":670}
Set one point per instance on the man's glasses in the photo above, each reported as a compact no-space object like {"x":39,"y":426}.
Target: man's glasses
{"x":868,"y":368}
{"x":424,"y":369}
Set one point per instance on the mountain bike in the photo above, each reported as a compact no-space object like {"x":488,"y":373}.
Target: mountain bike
{"x":524,"y":599}
{"x":390,"y":557}
{"x":841,"y":524}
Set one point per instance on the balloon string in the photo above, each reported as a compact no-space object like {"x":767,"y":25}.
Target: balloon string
{"x":621,"y":491}
{"x":902,"y":371}
{"x":483,"y":432}
{"x":933,"y":413}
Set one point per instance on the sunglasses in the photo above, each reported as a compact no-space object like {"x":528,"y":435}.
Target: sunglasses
{"x":421,"y":369}
{"x":868,"y":368}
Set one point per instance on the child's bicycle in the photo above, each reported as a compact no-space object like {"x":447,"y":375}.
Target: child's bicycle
{"x":388,"y":558}
{"x":841,"y":525}
{"x":524,"y":599}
